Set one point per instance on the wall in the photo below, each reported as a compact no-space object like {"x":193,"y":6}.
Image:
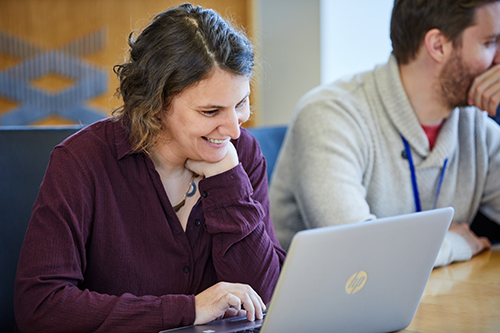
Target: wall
{"x":354,"y":36}
{"x":299,"y":43}
{"x":308,"y":42}
{"x":37,"y":27}
{"x":289,"y":39}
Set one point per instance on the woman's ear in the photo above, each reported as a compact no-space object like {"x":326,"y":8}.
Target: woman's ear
{"x":438,"y":46}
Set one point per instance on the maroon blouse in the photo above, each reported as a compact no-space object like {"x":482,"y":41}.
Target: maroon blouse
{"x":104,"y":250}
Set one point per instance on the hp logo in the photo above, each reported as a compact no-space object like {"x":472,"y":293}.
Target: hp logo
{"x":356,"y":282}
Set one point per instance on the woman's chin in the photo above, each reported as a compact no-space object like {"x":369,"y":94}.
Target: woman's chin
{"x":212,"y":158}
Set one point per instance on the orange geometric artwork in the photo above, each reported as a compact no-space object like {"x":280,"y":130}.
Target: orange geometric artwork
{"x":47,"y":83}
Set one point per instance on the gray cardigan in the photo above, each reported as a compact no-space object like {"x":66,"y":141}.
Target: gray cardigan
{"x":342,"y":161}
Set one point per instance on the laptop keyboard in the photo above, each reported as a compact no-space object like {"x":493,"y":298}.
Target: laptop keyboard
{"x":252,"y":330}
{"x":255,"y":329}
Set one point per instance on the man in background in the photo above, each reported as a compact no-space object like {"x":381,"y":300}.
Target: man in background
{"x":408,"y":136}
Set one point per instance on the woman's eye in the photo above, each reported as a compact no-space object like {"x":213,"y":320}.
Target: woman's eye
{"x":209,"y":112}
{"x":242,"y":103}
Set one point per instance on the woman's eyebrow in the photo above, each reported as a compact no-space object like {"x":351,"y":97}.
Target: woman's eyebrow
{"x":214,"y":106}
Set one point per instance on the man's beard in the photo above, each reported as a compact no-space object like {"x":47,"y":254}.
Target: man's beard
{"x":455,"y":80}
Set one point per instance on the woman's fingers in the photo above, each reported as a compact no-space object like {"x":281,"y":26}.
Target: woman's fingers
{"x":228,"y":299}
{"x":248,"y":300}
{"x":208,"y":169}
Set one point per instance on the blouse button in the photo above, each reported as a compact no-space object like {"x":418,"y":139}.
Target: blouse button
{"x":204,"y":194}
{"x":186,"y":269}
{"x":197,"y":223}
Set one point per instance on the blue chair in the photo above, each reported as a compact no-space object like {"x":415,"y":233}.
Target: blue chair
{"x":270,"y":140}
{"x":24,"y":155}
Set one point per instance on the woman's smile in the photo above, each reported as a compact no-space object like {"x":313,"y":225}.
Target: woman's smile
{"x":215,"y":141}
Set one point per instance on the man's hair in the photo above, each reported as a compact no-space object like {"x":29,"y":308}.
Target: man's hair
{"x":179,"y":48}
{"x":412,"y":19}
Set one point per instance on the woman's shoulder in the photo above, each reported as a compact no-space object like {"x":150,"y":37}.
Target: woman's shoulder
{"x":94,"y":135}
{"x":104,"y":137}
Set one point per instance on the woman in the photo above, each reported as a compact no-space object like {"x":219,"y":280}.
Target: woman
{"x":158,"y":217}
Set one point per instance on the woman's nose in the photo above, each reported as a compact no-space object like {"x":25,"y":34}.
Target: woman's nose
{"x":233,"y":121}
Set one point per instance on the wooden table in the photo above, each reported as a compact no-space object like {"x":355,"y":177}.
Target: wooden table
{"x":462,"y":297}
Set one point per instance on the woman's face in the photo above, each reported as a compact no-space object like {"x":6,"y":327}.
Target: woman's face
{"x":204,"y":117}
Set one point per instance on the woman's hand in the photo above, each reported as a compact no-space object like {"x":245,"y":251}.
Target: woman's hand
{"x":227,"y":300}
{"x":207,"y":169}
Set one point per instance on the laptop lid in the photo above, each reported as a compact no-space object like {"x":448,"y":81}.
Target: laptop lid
{"x":360,"y":277}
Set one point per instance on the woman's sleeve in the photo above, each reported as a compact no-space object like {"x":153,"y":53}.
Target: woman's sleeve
{"x":53,"y":260}
{"x":236,"y":207}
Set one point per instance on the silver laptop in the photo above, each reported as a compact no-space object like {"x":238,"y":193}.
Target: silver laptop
{"x":361,"y":277}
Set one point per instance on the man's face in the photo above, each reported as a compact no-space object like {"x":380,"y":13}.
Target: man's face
{"x":455,"y":79}
{"x":478,"y":52}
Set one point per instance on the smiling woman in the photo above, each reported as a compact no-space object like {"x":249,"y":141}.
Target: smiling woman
{"x":143,"y":219}
{"x":206,"y":116}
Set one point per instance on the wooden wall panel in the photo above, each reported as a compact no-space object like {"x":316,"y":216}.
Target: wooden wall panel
{"x":51,"y":24}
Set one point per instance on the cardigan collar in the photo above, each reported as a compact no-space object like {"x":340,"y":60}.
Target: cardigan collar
{"x":400,"y":112}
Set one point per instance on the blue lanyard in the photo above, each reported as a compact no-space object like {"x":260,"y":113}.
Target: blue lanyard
{"x":416,"y":195}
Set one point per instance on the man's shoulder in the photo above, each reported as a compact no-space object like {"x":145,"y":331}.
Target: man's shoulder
{"x":343,"y":95}
{"x":343,"y":88}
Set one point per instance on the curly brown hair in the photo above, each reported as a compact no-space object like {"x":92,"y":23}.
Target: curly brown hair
{"x":179,"y":48}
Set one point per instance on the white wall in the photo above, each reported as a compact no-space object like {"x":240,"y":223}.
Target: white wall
{"x":354,"y":36}
{"x":303,"y":43}
{"x":289,"y":53}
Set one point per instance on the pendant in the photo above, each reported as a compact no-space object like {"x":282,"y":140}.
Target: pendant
{"x":192,"y":189}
